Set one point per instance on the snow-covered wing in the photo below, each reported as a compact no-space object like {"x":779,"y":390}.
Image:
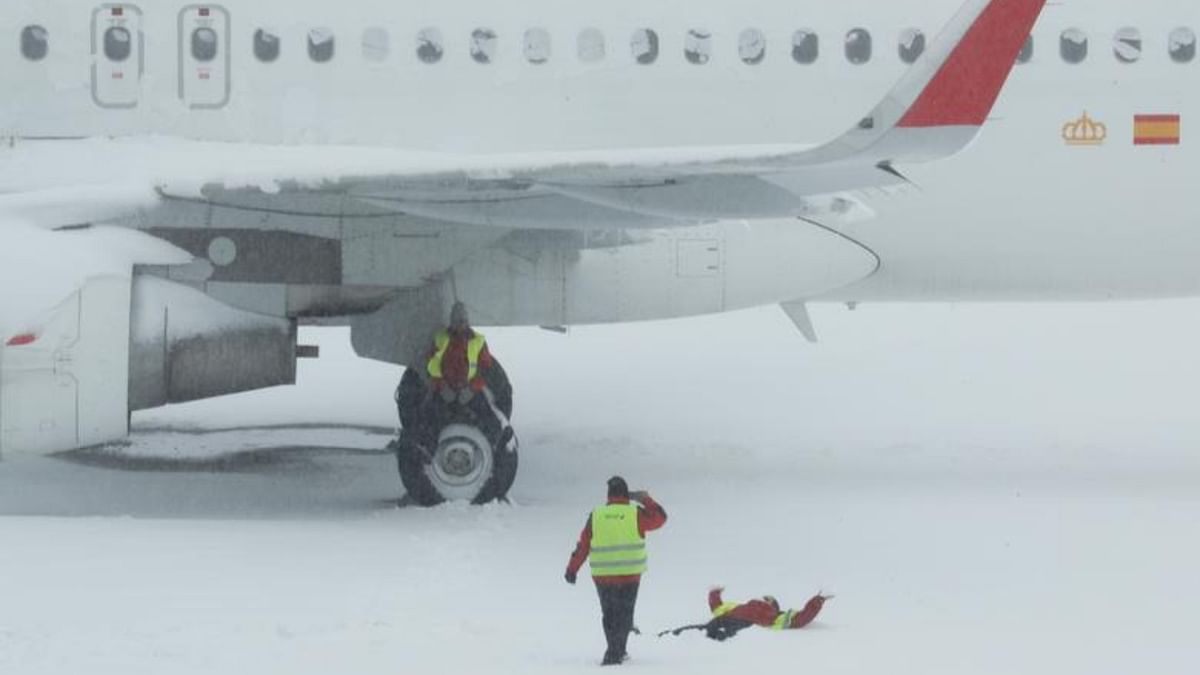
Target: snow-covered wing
{"x":75,"y":205}
{"x":935,"y":110}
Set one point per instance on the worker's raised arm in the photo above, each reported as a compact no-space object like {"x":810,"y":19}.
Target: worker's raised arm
{"x":714,"y":598}
{"x":805,"y":616}
{"x":651,"y":515}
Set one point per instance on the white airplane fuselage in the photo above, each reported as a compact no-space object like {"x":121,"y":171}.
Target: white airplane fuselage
{"x":1030,"y":211}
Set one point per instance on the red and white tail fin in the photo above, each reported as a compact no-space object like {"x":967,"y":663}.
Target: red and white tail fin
{"x":938,"y":106}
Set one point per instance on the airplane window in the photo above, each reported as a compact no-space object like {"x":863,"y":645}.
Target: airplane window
{"x":483,"y":45}
{"x":1026,"y":53}
{"x":697,"y":46}
{"x":204,"y":44}
{"x":1073,"y":45}
{"x":1127,"y":45}
{"x":430,"y":45}
{"x":858,"y":46}
{"x":118,"y":43}
{"x":266,"y":45}
{"x":537,"y":46}
{"x":376,"y":44}
{"x":1182,"y":45}
{"x":912,"y":45}
{"x":806,"y":46}
{"x":645,"y":46}
{"x":35,"y":43}
{"x":591,"y":45}
{"x":321,"y":45}
{"x":752,"y":46}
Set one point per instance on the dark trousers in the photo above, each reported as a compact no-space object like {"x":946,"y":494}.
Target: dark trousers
{"x":616,"y":606}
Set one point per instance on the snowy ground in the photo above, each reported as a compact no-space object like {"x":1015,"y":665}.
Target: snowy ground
{"x":987,"y":490}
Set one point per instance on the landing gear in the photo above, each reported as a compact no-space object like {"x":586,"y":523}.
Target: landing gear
{"x":456,"y":450}
{"x":464,"y":465}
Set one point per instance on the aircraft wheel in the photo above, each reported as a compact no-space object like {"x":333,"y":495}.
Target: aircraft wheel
{"x":463,"y":466}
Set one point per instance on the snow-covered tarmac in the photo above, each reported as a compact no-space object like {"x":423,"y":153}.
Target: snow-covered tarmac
{"x":987,"y":490}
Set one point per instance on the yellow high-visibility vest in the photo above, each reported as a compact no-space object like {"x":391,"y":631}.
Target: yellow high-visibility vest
{"x":723,"y":609}
{"x":783,"y":620}
{"x":618,"y":547}
{"x":441,"y":343}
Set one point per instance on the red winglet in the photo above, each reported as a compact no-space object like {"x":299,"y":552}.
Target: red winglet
{"x":966,"y":87}
{"x":22,"y":340}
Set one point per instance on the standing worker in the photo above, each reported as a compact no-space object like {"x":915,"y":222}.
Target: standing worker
{"x":615,"y":540}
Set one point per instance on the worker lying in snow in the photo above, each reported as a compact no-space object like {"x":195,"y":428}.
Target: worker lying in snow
{"x":731,"y":617}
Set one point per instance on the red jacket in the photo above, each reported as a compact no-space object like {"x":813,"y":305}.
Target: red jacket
{"x":651,"y":516}
{"x":763,"y":612}
{"x":455,"y":366}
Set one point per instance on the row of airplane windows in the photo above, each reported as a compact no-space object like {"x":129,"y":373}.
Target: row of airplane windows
{"x":591,"y":45}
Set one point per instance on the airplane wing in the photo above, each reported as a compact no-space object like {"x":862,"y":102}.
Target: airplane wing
{"x":933,"y":112}
{"x":74,"y":205}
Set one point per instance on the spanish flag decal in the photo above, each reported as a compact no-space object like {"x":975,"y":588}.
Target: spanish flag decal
{"x":1156,"y":129}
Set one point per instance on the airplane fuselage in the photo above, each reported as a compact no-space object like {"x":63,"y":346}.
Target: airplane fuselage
{"x":1063,"y":196}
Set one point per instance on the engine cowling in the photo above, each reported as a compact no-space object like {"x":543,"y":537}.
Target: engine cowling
{"x":187,"y":346}
{"x":118,"y":345}
{"x":64,"y":384}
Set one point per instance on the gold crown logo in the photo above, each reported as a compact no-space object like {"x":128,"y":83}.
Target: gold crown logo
{"x":1085,"y":131}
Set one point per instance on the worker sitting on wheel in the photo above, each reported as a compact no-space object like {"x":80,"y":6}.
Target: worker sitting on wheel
{"x":457,"y":368}
{"x":458,"y":360}
{"x":458,"y":385}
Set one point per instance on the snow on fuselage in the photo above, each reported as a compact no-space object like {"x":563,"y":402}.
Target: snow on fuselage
{"x":1030,"y":211}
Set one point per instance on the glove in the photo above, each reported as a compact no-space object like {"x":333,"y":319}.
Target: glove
{"x":570,"y":577}
{"x":639,"y":495}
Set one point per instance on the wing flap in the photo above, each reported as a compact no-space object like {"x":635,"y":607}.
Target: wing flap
{"x":535,"y":210}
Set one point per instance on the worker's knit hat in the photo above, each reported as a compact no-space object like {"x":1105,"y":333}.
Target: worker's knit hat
{"x":617,"y":487}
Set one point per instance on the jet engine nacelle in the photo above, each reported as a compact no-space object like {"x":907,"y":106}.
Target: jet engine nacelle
{"x":187,"y":346}
{"x":117,"y":345}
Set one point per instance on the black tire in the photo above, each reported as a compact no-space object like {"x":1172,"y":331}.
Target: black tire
{"x":504,"y":470}
{"x":411,"y":462}
{"x":410,"y":397}
{"x":497,"y":380}
{"x":415,"y":463}
{"x":412,"y":393}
